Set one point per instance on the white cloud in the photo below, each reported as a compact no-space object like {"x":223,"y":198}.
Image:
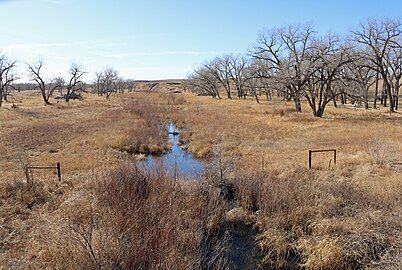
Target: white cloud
{"x":31,"y":47}
{"x":104,"y":53}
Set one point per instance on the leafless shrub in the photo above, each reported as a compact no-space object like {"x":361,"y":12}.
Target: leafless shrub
{"x":381,"y":151}
{"x":150,"y":234}
{"x":150,"y":135}
{"x":274,"y":111}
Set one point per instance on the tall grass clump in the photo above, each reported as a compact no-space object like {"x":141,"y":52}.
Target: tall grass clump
{"x":148,"y":135}
{"x":133,"y":218}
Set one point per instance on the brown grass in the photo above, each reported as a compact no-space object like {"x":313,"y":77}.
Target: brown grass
{"x":109,"y":213}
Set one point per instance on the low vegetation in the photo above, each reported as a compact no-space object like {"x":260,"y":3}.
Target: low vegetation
{"x":110,"y":211}
{"x":257,"y":205}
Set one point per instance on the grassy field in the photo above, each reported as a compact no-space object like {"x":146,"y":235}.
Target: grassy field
{"x":331,"y":217}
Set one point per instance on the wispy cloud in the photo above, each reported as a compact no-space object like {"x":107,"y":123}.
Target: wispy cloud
{"x":31,"y":46}
{"x":110,"y":54}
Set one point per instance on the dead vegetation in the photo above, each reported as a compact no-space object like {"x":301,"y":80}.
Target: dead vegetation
{"x":110,"y":213}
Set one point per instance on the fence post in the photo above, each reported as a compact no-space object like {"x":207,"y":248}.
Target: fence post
{"x":58,"y":171}
{"x":310,"y":154}
{"x":334,"y":156}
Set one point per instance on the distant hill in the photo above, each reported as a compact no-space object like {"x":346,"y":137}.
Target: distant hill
{"x":169,"y":85}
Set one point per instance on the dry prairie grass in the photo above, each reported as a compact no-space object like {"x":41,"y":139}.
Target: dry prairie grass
{"x":108,"y":214}
{"x":82,"y":136}
{"x":356,"y":203}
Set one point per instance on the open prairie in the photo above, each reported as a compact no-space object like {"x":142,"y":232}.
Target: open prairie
{"x":201,"y":135}
{"x":339,"y":215}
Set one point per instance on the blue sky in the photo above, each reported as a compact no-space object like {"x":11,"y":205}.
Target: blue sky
{"x":160,"y":39}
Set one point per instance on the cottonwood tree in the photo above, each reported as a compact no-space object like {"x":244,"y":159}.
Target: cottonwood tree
{"x":97,"y":82}
{"x":361,"y":76}
{"x":289,"y":51}
{"x":108,"y":81}
{"x":130,"y":85}
{"x":7,"y":76}
{"x":46,"y":89}
{"x":237,"y":69}
{"x":204,"y":82}
{"x":75,"y":84}
{"x":219,"y":68}
{"x":379,"y":38}
{"x":395,"y":66}
{"x":253,"y":83}
{"x":121,"y":85}
{"x":60,"y":82}
{"x":262,"y":73}
{"x":330,"y":55}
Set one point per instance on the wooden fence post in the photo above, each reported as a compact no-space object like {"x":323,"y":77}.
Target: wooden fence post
{"x":310,"y":152}
{"x":58,"y":171}
{"x":334,"y":156}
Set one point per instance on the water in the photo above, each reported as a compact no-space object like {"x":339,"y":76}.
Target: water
{"x":177,"y":161}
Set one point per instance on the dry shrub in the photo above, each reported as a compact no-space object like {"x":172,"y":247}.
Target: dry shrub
{"x":322,"y":254}
{"x":275,"y":111}
{"x":143,"y":107}
{"x":175,"y":99}
{"x":149,"y":135}
{"x":27,"y":194}
{"x":315,"y":221}
{"x":275,"y":247}
{"x":133,"y":219}
{"x":381,"y":151}
{"x":152,"y":217}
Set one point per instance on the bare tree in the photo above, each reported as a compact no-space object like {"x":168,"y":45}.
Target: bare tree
{"x":46,"y":89}
{"x":130,"y":84}
{"x":395,"y":66}
{"x":98,"y":82}
{"x":380,"y":38}
{"x":60,"y":82}
{"x":332,"y":55}
{"x":75,"y":84}
{"x":7,"y":77}
{"x":361,"y":76}
{"x":219,"y":68}
{"x":204,"y":82}
{"x":109,"y":81}
{"x":237,"y":68}
{"x":288,"y":51}
{"x":262,"y":73}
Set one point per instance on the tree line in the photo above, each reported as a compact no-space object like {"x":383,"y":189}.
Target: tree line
{"x":295,"y":62}
{"x":106,"y":82}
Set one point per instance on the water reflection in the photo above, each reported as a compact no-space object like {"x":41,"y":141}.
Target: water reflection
{"x":177,"y":161}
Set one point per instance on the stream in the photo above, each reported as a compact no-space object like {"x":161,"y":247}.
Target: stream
{"x":177,"y":161}
{"x":233,"y":245}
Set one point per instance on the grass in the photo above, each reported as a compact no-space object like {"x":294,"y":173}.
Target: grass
{"x":108,"y":213}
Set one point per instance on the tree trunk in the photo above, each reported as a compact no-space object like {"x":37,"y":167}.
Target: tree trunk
{"x":229,"y":94}
{"x":376,"y":92}
{"x":320,"y":111}
{"x":396,"y":97}
{"x":256,"y":98}
{"x":366,"y":102}
{"x":343,"y":99}
{"x":297,"y":104}
{"x":390,"y":97}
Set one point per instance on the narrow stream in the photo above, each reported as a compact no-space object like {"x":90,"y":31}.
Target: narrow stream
{"x":177,"y":161}
{"x":233,"y":245}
